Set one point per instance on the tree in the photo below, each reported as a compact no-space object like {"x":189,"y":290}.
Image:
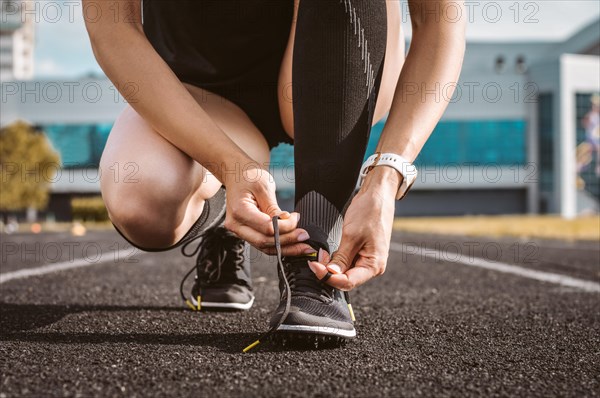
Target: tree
{"x":28,"y":163}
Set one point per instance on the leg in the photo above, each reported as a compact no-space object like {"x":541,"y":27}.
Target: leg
{"x":337,"y":66}
{"x":394,"y":60}
{"x":337,"y":70}
{"x":164,"y":194}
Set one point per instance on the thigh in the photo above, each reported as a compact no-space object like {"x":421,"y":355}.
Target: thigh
{"x":135,"y":149}
{"x":234,"y":122}
{"x":394,"y":59}
{"x":137,"y":160}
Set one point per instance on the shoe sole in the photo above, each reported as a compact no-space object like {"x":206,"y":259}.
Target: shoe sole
{"x":307,"y":341}
{"x":318,"y":330}
{"x":228,"y":306}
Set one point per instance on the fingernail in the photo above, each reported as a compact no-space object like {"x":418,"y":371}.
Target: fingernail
{"x":323,"y":256}
{"x":309,"y":250}
{"x":313,"y":267}
{"x":334,"y":269}
{"x":303,"y":236}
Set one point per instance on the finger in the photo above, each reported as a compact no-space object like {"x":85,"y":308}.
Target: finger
{"x":284,"y":215}
{"x":290,"y":223}
{"x":297,"y":249}
{"x":343,"y":258}
{"x":267,"y":203}
{"x":318,"y":269}
{"x":252,"y":217}
{"x":323,"y":257}
{"x":287,"y":221}
{"x":255,"y":238}
{"x":354,"y":277}
{"x":262,"y":241}
{"x":296,"y":236}
{"x":261,"y":222}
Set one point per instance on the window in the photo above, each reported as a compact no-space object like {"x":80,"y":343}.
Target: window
{"x":478,"y":142}
{"x":546,"y":150}
{"x":78,"y":145}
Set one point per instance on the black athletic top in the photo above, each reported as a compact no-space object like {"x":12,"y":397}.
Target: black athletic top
{"x":233,"y":48}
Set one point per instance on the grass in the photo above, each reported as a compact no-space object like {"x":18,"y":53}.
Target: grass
{"x":544,"y":227}
{"x":526,"y":227}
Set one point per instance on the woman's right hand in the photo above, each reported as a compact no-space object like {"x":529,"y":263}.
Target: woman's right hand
{"x":251,"y":204}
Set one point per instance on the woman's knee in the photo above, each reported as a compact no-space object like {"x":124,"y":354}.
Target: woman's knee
{"x":147,"y":209}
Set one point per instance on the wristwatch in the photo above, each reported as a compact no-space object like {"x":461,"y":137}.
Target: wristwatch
{"x":402,"y":165}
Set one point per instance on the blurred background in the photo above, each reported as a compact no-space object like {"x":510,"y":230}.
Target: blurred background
{"x":520,"y":137}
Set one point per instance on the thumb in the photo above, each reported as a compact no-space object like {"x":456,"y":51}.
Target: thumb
{"x":342,"y":259}
{"x":267,"y":203}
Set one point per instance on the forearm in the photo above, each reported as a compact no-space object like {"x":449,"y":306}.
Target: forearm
{"x":424,"y":88}
{"x":153,"y":90}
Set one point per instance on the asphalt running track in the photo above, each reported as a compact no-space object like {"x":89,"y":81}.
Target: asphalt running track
{"x":450,"y":317}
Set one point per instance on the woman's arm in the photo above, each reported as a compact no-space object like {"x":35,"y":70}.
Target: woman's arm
{"x":130,"y":62}
{"x":433,"y":63}
{"x":425,"y":86}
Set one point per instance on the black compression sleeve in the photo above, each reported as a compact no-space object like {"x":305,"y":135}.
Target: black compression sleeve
{"x":338,"y":59}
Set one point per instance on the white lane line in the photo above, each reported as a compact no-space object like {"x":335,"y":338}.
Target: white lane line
{"x":558,"y":279}
{"x":115,"y":256}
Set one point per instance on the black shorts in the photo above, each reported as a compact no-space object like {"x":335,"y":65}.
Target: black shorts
{"x":232,"y":48}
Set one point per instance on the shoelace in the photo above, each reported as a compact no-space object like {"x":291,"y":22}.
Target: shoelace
{"x":213,"y":267}
{"x":303,"y":280}
{"x":288,"y":291}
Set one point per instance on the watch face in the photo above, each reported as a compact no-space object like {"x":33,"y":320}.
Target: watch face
{"x":407,"y":184}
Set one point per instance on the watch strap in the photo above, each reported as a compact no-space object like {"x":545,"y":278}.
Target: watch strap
{"x":406,"y":169}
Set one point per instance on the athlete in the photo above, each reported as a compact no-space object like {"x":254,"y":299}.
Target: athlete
{"x":213,"y":85}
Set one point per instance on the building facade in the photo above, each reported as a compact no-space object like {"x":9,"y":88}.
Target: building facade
{"x":513,"y":140}
{"x":17,"y":40}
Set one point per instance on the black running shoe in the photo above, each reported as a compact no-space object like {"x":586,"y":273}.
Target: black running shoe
{"x":309,"y":311}
{"x":315,"y":307}
{"x":223,"y":279}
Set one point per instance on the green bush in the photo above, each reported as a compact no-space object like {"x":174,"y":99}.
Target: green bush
{"x":89,"y":209}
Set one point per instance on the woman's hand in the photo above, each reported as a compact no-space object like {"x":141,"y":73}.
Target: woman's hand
{"x":251,"y":204}
{"x":366,"y":233}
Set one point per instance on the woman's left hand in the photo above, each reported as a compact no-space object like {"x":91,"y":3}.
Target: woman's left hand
{"x":366,"y":233}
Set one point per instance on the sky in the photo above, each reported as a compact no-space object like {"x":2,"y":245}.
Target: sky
{"x":63,"y":49}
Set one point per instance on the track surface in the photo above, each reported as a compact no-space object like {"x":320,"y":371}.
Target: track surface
{"x":427,"y":327}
